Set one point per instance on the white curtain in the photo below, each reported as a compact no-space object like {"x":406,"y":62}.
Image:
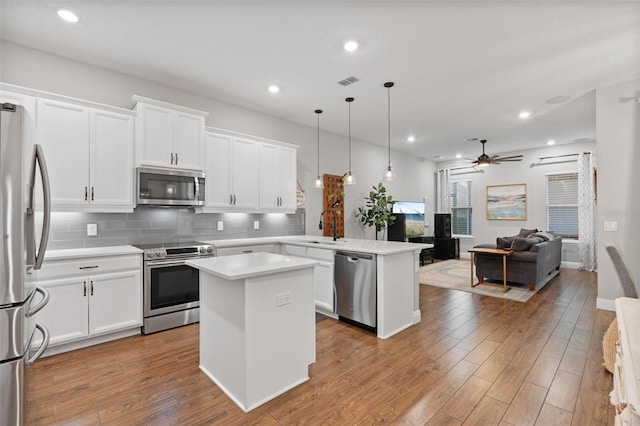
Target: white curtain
{"x":587,"y":211}
{"x":444,"y":191}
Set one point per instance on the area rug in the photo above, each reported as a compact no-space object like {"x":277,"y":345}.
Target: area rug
{"x":455,"y":274}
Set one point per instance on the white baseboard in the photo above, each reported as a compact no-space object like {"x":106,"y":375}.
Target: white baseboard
{"x":84,"y":343}
{"x":571,"y":265}
{"x":606,"y":304}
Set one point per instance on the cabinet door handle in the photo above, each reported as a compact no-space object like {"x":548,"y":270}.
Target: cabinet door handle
{"x":92,"y":287}
{"x":230,"y":199}
{"x":234,"y":199}
{"x":86,"y":193}
{"x":172,"y":158}
{"x":92,"y":193}
{"x":85,"y":288}
{"x":176,"y":158}
{"x":88,"y":267}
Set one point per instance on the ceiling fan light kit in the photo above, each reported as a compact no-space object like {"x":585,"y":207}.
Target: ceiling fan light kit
{"x":389,"y":174}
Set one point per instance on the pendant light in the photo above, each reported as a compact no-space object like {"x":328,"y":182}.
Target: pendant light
{"x":389,"y":174}
{"x":318,"y":183}
{"x":349,"y":178}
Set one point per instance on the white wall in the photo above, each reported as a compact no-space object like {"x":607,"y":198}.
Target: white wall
{"x":39,"y":70}
{"x":618,"y":134}
{"x":486,"y":231}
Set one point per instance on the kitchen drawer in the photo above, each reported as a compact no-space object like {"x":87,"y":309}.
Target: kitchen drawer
{"x":321,"y":254}
{"x":262,"y":248}
{"x":88,"y":266}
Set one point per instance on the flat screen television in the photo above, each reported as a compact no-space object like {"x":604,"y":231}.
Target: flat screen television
{"x":414,"y":213}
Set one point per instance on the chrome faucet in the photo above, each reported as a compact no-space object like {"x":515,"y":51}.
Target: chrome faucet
{"x":333,"y":224}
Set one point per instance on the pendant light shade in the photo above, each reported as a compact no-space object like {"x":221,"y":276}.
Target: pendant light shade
{"x":389,"y":174}
{"x":349,"y":178}
{"x":318,"y":184}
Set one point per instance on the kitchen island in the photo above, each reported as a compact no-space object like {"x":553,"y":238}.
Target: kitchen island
{"x":397,"y":267}
{"x":257,"y":324}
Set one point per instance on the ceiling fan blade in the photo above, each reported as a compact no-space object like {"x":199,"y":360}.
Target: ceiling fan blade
{"x":511,"y":158}
{"x":493,"y":157}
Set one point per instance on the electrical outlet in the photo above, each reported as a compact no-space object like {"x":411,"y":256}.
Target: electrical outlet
{"x":610,"y":226}
{"x":256,"y":224}
{"x":283,"y":299}
{"x":220,"y":225}
{"x":92,"y":229}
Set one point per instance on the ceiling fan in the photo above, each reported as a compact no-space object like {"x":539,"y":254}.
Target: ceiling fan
{"x":485,"y":160}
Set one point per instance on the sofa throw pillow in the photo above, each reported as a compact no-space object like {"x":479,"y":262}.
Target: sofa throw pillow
{"x":524,"y":233}
{"x":544,"y":235}
{"x":504,"y":242}
{"x":522,"y":244}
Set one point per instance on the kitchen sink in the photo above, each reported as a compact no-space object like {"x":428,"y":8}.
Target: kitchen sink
{"x":327,"y":242}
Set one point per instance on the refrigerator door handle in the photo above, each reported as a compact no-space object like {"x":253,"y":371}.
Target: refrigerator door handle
{"x":43,"y":346}
{"x":38,"y":158}
{"x":32,"y":310}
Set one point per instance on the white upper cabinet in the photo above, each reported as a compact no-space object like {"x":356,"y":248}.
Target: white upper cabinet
{"x":89,"y":156}
{"x":231,"y":173}
{"x":168,"y":135}
{"x":277,"y":178}
{"x":111,"y":171}
{"x":249,"y":174}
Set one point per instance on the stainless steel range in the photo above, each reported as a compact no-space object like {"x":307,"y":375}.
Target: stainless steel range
{"x":171,"y":289}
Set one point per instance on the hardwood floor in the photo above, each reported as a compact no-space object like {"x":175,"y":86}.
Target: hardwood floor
{"x":473,"y":360}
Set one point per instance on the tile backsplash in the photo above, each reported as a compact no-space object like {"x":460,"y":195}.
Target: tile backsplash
{"x":148,"y":225}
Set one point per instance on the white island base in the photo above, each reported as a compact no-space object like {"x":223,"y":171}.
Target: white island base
{"x":257,"y":324}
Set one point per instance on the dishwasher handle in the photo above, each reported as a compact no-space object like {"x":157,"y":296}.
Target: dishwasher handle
{"x":355,"y":256}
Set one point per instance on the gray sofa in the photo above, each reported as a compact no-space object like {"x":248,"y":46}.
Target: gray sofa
{"x":536,"y":258}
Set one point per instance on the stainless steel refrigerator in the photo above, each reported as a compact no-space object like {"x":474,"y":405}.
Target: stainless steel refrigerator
{"x":20,"y":297}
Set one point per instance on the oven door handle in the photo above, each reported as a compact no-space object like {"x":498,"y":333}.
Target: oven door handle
{"x":160,"y":263}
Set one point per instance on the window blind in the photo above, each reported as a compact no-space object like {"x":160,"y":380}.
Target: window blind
{"x":461,"y":208}
{"x":562,"y":204}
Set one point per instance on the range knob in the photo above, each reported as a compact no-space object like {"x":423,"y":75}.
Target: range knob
{"x":202,"y":250}
{"x":150,"y":254}
{"x":209,"y":249}
{"x":160,"y":253}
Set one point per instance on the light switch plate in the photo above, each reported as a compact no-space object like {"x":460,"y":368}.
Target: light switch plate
{"x":283,"y":299}
{"x":610,"y":226}
{"x":256,"y":224}
{"x":92,"y":229}
{"x":220,"y":225}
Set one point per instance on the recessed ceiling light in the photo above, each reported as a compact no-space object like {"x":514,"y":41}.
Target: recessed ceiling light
{"x":551,"y":142}
{"x":458,"y":155}
{"x":524,"y":114}
{"x":68,"y":16}
{"x":274,"y":89}
{"x":411,"y":138}
{"x":351,"y":46}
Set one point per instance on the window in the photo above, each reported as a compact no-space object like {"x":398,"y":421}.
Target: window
{"x":562,"y":204}
{"x":461,"y":207}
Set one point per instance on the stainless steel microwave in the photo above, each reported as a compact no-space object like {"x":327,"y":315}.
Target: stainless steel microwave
{"x":168,"y":187}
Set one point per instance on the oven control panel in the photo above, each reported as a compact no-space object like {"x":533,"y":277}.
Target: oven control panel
{"x":179,"y":252}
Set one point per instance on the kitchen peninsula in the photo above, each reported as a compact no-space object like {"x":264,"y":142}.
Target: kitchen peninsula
{"x":257,"y":324}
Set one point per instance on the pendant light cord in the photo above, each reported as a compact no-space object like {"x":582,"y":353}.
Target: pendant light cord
{"x":349,"y":103}
{"x":389,"y":120}
{"x":318,"y":114}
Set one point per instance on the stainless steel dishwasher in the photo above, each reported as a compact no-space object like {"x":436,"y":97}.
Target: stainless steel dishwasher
{"x":355,"y":282}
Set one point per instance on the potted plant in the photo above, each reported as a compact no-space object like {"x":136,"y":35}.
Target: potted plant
{"x":377,"y":211}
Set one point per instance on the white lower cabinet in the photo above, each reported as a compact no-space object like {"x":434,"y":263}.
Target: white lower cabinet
{"x":91,"y":297}
{"x":323,"y":288}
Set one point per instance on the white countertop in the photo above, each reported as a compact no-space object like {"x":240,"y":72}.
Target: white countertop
{"x":249,"y":265}
{"x":349,"y":244}
{"x":90,"y":252}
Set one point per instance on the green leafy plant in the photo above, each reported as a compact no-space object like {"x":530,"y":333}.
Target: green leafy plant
{"x":377,"y":210}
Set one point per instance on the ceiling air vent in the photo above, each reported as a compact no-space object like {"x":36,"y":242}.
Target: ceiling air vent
{"x":349,"y":80}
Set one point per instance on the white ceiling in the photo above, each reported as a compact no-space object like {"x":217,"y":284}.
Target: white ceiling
{"x":462,"y":69}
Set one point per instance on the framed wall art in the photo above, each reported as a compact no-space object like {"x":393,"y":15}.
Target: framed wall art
{"x":507,"y":202}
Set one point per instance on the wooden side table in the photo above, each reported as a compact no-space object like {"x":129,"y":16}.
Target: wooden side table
{"x":494,"y":252}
